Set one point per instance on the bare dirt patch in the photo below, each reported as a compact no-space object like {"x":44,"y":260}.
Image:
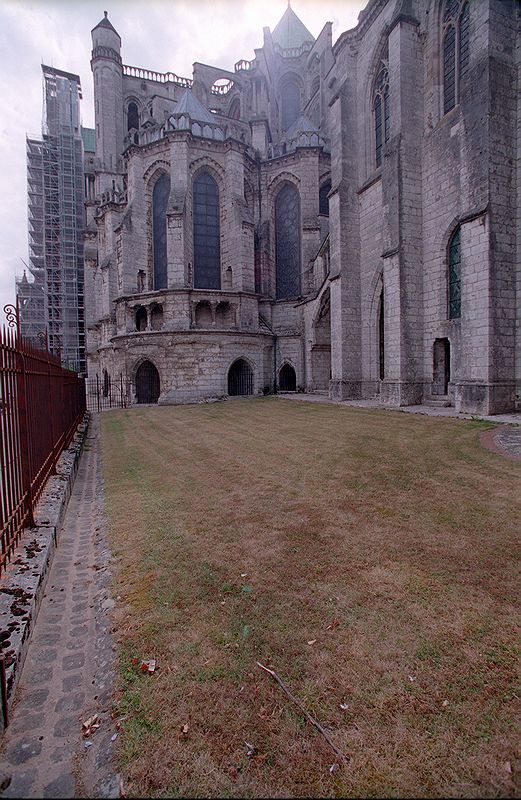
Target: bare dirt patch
{"x":368,"y":557}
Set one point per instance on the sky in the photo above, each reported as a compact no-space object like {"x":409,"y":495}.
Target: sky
{"x":162,"y":35}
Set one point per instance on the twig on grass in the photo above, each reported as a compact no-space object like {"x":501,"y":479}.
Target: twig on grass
{"x":313,"y":721}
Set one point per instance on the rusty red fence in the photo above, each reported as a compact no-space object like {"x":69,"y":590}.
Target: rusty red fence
{"x":41,"y":405}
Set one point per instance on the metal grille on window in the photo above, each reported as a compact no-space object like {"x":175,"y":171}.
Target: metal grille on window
{"x":240,"y":378}
{"x":160,"y":197}
{"x":207,"y":257}
{"x":381,"y":105}
{"x":287,"y":242}
{"x":455,"y":276}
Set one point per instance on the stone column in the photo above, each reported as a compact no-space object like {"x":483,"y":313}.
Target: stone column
{"x":178,"y":224}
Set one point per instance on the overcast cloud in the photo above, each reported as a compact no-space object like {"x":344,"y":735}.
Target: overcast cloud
{"x":163,"y":35}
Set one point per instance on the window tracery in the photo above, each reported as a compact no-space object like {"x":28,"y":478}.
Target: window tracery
{"x":456,"y":50}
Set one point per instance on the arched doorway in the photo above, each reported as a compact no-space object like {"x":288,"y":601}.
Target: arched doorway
{"x":240,"y":378}
{"x":287,"y":379}
{"x":147,"y":383}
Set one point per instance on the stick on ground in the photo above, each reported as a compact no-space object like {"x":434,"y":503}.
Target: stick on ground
{"x":297,"y":702}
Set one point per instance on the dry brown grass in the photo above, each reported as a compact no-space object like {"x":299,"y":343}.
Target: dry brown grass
{"x":245,"y":530}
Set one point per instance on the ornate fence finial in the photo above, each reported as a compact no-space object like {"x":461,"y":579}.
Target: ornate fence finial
{"x":11,"y":315}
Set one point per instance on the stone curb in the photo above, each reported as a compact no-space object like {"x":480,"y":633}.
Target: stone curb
{"x":23,"y":584}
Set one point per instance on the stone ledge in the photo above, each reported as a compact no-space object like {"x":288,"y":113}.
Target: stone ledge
{"x":23,"y":584}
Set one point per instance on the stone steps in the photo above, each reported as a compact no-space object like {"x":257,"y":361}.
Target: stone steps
{"x":438,"y":401}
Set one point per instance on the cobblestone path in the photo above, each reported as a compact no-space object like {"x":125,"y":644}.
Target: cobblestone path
{"x":69,"y":671}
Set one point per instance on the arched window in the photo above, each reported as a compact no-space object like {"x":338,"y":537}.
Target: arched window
{"x":287,"y":242}
{"x":323,"y":199}
{"x":381,"y":109}
{"x":207,"y":255}
{"x":132,"y":116}
{"x":289,"y":104}
{"x":160,"y":197}
{"x":455,"y":275}
{"x":456,"y":50}
{"x":240,"y":378}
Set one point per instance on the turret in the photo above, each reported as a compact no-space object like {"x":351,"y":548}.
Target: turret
{"x":108,"y":93}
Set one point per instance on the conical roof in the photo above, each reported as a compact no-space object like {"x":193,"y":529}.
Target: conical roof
{"x":106,"y":23}
{"x":290,"y":31}
{"x":301,"y":125}
{"x":189,"y":104}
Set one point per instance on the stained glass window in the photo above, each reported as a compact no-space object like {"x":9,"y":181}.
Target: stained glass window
{"x":323,"y":199}
{"x":132,"y":116}
{"x":382,"y":114}
{"x":455,"y":276}
{"x":287,"y":242}
{"x":290,"y":104}
{"x":160,"y":197}
{"x":456,"y":50}
{"x":207,"y":249}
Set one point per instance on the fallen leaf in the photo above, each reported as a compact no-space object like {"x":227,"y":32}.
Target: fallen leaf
{"x":333,"y":624}
{"x":233,"y":772}
{"x":507,"y":766}
{"x":445,"y":703}
{"x":148,"y":665}
{"x":185,"y":728}
{"x":87,"y":745}
{"x":250,"y":749}
{"x":90,"y":725}
{"x":244,"y":574}
{"x":312,"y":641}
{"x":412,"y":678}
{"x":344,"y":706}
{"x":333,"y":768}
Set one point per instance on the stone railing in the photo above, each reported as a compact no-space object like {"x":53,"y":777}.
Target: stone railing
{"x":293,"y":52}
{"x":158,"y":77}
{"x":222,"y":89}
{"x":244,"y":65}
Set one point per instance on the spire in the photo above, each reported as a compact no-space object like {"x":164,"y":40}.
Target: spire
{"x":290,"y":31}
{"x":106,"y":23}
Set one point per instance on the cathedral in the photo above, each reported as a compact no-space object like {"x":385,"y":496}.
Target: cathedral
{"x":338,"y":217}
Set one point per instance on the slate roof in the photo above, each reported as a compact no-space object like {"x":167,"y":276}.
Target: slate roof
{"x":290,"y":31}
{"x":301,"y":125}
{"x":189,"y":104}
{"x":106,"y":23}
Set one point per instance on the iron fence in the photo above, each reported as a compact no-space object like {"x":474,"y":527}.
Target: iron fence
{"x":41,"y":405}
{"x":108,"y":392}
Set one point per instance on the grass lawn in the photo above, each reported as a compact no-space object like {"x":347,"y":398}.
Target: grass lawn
{"x":369,"y":557}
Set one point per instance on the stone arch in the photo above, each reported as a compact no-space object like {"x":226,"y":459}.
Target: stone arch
{"x":153,"y":172}
{"x":287,"y":379}
{"x":208,"y":164}
{"x":203,"y":314}
{"x":146,"y":381}
{"x":224,"y":316}
{"x":240,"y":378}
{"x":276,"y":183}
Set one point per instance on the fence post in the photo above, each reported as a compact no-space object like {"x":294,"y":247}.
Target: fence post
{"x":25,"y":445}
{"x":97,"y":391}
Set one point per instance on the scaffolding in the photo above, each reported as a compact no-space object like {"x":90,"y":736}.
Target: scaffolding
{"x":56,"y":223}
